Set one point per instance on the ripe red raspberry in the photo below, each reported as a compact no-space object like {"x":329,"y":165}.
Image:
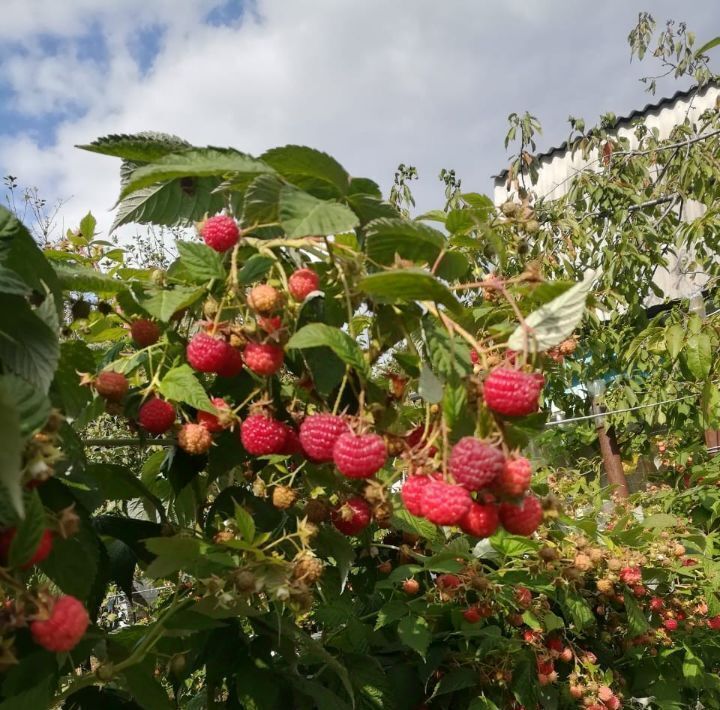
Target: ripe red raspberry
{"x":302,"y":283}
{"x":522,"y":518}
{"x":554,"y":644}
{"x":318,"y":434}
{"x":194,"y":438}
{"x":210,"y":421}
{"x":474,"y":357}
{"x":670,"y":624}
{"x":42,"y":550}
{"x":66,"y":626}
{"x":359,"y":456}
{"x":232,"y":364}
{"x":657,"y":604}
{"x":263,"y":358}
{"x":411,"y":586}
{"x":445,"y":504}
{"x":144,"y":332}
{"x":113,"y":386}
{"x":156,"y":416}
{"x":631,"y":575}
{"x":515,"y":477}
{"x":270,"y":324}
{"x":474,"y":464}
{"x":206,"y":353}
{"x":481,"y":520}
{"x":511,"y":392}
{"x":220,"y":232}
{"x":416,"y":440}
{"x":447,"y":581}
{"x":352,"y":516}
{"x":472,"y":615}
{"x":412,"y":493}
{"x":261,"y":435}
{"x":264,"y":299}
{"x":292,"y":443}
{"x":714,"y":623}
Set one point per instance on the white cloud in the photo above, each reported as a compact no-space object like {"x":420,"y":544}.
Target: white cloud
{"x":373,"y":83}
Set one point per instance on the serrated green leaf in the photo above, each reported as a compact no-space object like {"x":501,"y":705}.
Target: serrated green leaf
{"x":74,"y":277}
{"x":331,"y":543}
{"x":11,"y":283}
{"x":200,"y":261}
{"x":163,"y":303}
{"x":193,"y":162}
{"x":254,"y":269}
{"x":261,"y":201}
{"x":696,"y":356}
{"x":578,"y":608}
{"x":408,"y":285}
{"x":385,"y":238}
{"x":674,"y":337}
{"x":145,"y":690}
{"x":173,"y":554}
{"x":245,"y":523}
{"x":309,"y":169}
{"x":181,"y":385}
{"x":391,"y":611}
{"x":414,"y":632}
{"x":555,"y":321}
{"x":302,"y":215}
{"x":456,"y":679}
{"x":316,"y":335}
{"x":31,"y":405}
{"x":142,"y":147}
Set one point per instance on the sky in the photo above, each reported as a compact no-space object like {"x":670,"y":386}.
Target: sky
{"x":373,"y":83}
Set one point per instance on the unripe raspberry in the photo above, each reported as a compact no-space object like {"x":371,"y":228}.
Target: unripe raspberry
{"x":481,"y":520}
{"x":316,"y":511}
{"x":307,"y":568}
{"x":66,"y":625}
{"x":43,"y":549}
{"x":156,"y":416}
{"x":220,"y":232}
{"x":113,"y":386}
{"x":515,"y":477}
{"x":263,"y":359}
{"x":359,"y":456}
{"x":283,"y":497}
{"x":411,"y":586}
{"x":475,"y":465}
{"x":412,"y":493}
{"x":210,"y":421}
{"x":264,"y":299}
{"x":302,"y":283}
{"x":566,"y":655}
{"x":512,"y":392}
{"x":318,"y":434}
{"x":261,"y":435}
{"x":144,"y":332}
{"x":522,"y":518}
{"x":194,"y":439}
{"x":444,"y":503}
{"x":352,"y":517}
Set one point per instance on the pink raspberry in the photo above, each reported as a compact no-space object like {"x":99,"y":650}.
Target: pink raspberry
{"x":263,"y":358}
{"x":66,"y":626}
{"x":521,"y":518}
{"x":302,"y":283}
{"x":220,"y":232}
{"x":412,"y":493}
{"x":318,"y":434}
{"x":631,"y":575}
{"x":474,"y":464}
{"x":353,"y":516}
{"x":144,"y":332}
{"x":261,"y":435}
{"x":210,"y":421}
{"x":359,"y":456}
{"x":444,"y":503}
{"x":670,"y":625}
{"x":208,"y":354}
{"x":156,"y":415}
{"x":481,"y":520}
{"x":515,"y":478}
{"x":511,"y":392}
{"x":43,"y":549}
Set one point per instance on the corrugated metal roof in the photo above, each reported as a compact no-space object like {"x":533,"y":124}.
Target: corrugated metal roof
{"x":621,"y":121}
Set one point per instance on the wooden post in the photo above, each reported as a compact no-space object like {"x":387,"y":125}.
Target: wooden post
{"x":612,"y":461}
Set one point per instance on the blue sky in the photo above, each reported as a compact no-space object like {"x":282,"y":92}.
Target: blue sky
{"x":373,"y":83}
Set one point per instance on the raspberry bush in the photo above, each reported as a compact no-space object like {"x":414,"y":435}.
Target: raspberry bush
{"x":330,"y":479}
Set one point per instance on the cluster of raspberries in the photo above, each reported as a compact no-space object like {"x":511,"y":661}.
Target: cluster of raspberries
{"x":478,"y":468}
